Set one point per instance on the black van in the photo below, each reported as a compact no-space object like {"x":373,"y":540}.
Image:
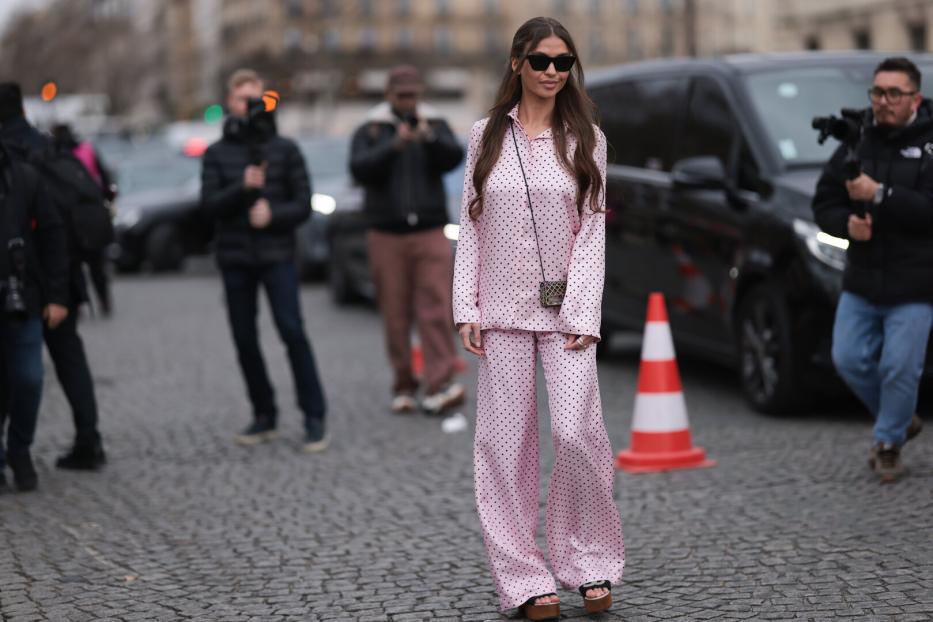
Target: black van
{"x":712,"y":168}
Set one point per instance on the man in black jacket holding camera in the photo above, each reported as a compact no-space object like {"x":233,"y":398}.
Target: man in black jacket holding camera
{"x":886,"y":309}
{"x":63,"y":341}
{"x":256,"y":189}
{"x":399,"y":155}
{"x":33,"y":289}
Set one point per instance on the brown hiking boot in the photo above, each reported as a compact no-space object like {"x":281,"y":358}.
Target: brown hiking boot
{"x":885,"y":461}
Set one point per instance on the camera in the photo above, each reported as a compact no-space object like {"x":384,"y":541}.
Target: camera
{"x":411,"y":120}
{"x":14,"y":300}
{"x":847,"y":128}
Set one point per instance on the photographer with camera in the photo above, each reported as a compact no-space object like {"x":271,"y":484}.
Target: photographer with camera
{"x":886,"y":212}
{"x":80,"y":205}
{"x":33,"y":289}
{"x":399,"y":155}
{"x":256,"y":189}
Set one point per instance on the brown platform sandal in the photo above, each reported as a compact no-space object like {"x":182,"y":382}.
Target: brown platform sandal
{"x":596,"y":605}
{"x":531,"y":611}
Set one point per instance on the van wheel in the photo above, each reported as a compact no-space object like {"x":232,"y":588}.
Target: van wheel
{"x":164,"y":249}
{"x":766,"y":353}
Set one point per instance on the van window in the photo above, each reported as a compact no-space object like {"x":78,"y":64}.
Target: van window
{"x":640,"y":119}
{"x":712,"y":129}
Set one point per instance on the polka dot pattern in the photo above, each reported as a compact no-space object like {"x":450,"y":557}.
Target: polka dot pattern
{"x":584,"y":532}
{"x":496,"y":280}
{"x":497,"y":272}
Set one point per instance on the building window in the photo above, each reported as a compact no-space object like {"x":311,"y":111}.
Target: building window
{"x":331,"y":39}
{"x":442,"y":40}
{"x":405,"y":39}
{"x":667,"y":39}
{"x":595,"y":7}
{"x":403,"y":8}
{"x":812,"y":43}
{"x":443,"y":7}
{"x":633,"y":44}
{"x":917,"y":33}
{"x":493,"y":42}
{"x":294,"y":8}
{"x":328,"y":8}
{"x":560,"y":7}
{"x":861,"y":39}
{"x":491,"y":7}
{"x":367,"y":39}
{"x":366,"y":8}
{"x":293,"y":39}
{"x":597,"y":50}
{"x":633,"y":7}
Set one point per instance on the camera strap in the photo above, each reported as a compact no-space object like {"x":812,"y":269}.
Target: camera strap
{"x":534,"y":226}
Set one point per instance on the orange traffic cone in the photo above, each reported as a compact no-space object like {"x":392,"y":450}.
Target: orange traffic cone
{"x":660,"y":431}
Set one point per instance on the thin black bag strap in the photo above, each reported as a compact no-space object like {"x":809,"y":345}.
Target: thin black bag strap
{"x":527,"y":192}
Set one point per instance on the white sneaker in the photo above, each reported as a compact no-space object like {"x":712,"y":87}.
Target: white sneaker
{"x":436,"y":403}
{"x":403,"y":403}
{"x":313,"y":447}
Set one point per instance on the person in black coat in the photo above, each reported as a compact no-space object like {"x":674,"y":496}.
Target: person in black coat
{"x":63,"y":341}
{"x":886,"y":309}
{"x":255,"y":188}
{"x":399,"y":155}
{"x":33,"y":287}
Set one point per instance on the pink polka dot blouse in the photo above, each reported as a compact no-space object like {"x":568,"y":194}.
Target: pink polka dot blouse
{"x":497,"y":273}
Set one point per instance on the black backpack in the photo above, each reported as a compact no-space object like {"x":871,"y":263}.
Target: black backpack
{"x":82,"y":198}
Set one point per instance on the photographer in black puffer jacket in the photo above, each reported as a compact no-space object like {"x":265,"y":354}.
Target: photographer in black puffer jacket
{"x":255,"y":187}
{"x":886,"y":309}
{"x":33,"y":288}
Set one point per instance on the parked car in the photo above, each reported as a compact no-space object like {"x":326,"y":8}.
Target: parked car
{"x":333,"y":190}
{"x":157,"y":222}
{"x":348,"y":270}
{"x":713,"y":166}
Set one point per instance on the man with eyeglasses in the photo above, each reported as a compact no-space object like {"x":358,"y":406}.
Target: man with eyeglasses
{"x":399,"y":155}
{"x":886,"y":309}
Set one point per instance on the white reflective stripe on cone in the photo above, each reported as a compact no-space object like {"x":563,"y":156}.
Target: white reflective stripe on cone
{"x":657,"y":344}
{"x":660,"y":412}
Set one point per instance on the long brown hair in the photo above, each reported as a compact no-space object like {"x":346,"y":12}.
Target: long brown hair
{"x":573,"y":111}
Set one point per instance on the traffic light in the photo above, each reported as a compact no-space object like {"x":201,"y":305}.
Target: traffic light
{"x":214,"y":113}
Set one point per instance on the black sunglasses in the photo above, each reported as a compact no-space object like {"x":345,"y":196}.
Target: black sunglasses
{"x":540,"y":62}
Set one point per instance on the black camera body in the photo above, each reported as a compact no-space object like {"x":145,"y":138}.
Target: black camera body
{"x":14,"y":297}
{"x":411,"y":119}
{"x":849,"y":129}
{"x":259,"y":126}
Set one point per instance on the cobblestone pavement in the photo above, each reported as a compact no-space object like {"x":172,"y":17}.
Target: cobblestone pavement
{"x":184,"y":525}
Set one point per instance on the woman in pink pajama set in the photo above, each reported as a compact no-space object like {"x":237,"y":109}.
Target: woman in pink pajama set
{"x":538,"y":146}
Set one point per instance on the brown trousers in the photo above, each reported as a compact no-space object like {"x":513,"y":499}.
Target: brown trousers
{"x":413,"y":274}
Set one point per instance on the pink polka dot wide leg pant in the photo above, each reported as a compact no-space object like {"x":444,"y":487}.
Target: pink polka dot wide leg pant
{"x":584,"y":532}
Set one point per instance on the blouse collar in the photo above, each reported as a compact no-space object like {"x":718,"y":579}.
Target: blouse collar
{"x":546,"y":134}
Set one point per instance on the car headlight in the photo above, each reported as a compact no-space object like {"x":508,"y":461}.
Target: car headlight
{"x":323,"y":203}
{"x":827,"y":248}
{"x":452,"y":232}
{"x":127,"y":218}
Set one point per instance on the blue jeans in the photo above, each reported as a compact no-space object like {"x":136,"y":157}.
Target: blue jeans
{"x":20,"y":382}
{"x":280,"y":281}
{"x":879,"y":350}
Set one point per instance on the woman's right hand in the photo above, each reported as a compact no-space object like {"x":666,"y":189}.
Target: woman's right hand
{"x":472,"y":338}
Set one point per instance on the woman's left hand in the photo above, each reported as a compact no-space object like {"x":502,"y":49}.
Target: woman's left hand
{"x":579,"y":342}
